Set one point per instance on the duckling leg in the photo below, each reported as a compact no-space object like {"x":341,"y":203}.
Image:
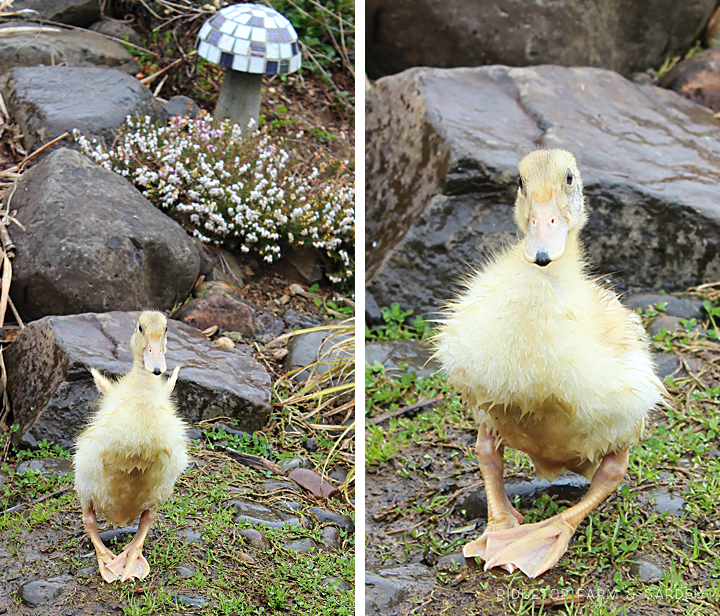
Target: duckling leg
{"x":104,"y":555}
{"x":501,"y":514}
{"x":535,"y":548}
{"x":130,"y":562}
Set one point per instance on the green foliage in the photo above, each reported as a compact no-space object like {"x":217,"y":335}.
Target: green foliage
{"x":396,"y":328}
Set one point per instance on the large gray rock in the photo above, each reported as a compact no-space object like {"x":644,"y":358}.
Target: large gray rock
{"x":53,"y":393}
{"x":46,"y":101}
{"x":73,"y":12}
{"x":442,"y":152}
{"x":52,"y":45}
{"x":93,"y":243}
{"x":614,"y":34}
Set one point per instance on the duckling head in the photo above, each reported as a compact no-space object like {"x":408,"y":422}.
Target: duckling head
{"x":149,"y":342}
{"x":550,"y":204}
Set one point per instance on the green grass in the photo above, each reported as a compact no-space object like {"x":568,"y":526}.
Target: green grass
{"x":428,"y":459}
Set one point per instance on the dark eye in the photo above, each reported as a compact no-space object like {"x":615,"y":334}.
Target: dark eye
{"x":569,"y":179}
{"x":140,"y":329}
{"x":521,"y":185}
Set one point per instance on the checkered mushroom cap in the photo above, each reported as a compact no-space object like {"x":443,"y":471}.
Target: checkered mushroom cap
{"x":251,"y":38}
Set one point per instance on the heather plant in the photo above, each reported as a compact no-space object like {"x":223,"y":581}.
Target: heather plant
{"x":235,"y":188}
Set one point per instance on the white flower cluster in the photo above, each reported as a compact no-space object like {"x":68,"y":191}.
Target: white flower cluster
{"x":240,"y":190}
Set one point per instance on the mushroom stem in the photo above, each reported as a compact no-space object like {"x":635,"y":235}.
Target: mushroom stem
{"x":239,"y":98}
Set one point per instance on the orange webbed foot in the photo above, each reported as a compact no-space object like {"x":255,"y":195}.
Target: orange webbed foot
{"x":128,"y":564}
{"x":532,"y":548}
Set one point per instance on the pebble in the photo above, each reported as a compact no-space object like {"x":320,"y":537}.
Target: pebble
{"x":272,"y":485}
{"x":256,"y":513}
{"x":290,"y":464}
{"x":46,"y":467}
{"x":184,"y":571}
{"x":388,"y":586}
{"x":682,"y":307}
{"x":198,"y":602}
{"x":194,"y":434}
{"x":118,"y":534}
{"x":255,"y":537}
{"x":190,"y":536}
{"x":324,"y":516}
{"x":646,"y":569}
{"x":337,"y":584}
{"x":666,"y":501}
{"x":311,"y":444}
{"x":331,"y":538}
{"x":42,"y":591}
{"x":452,"y":559}
{"x":301,"y":545}
{"x":403,"y":357}
{"x":664,"y":322}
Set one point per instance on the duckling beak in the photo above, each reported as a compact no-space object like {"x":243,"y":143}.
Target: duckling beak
{"x":154,"y":356}
{"x":547,"y":232}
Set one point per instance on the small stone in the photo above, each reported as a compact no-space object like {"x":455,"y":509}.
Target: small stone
{"x":311,"y":444}
{"x":119,"y":535}
{"x":290,"y":464}
{"x":182,"y":107}
{"x":667,"y":502}
{"x":646,"y":569}
{"x":313,"y":482}
{"x":42,"y":591}
{"x":184,"y":571}
{"x":452,"y":559}
{"x":255,"y":537}
{"x":331,"y":538}
{"x":46,"y":467}
{"x":190,"y":536}
{"x":289,"y":506}
{"x":198,"y":602}
{"x":337,"y":584}
{"x":255,"y":513}
{"x":663,"y":322}
{"x":339,"y":475}
{"x":225,"y":342}
{"x":324,"y":517}
{"x":234,"y":336}
{"x":246,"y":558}
{"x":301,"y":545}
{"x":273,"y":485}
{"x":194,"y":434}
{"x":667,"y":364}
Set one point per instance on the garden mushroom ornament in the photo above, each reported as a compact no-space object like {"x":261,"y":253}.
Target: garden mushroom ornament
{"x":249,"y":40}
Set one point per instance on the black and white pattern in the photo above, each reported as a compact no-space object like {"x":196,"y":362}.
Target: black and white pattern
{"x":252,"y":38}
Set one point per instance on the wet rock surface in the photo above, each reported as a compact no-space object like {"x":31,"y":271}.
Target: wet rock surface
{"x":53,"y":393}
{"x":72,"y":12}
{"x":697,"y":78}
{"x":441,"y":175}
{"x":48,"y":45}
{"x":93,"y":243}
{"x":407,"y":33}
{"x":47,"y":101}
{"x":681,"y":307}
{"x":256,"y":513}
{"x":403,"y":357}
{"x":41,"y":592}
{"x":646,"y":569}
{"x":387,"y":587}
{"x":306,"y":349}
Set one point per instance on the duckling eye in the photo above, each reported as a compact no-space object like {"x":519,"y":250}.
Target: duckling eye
{"x":521,"y":185}
{"x":569,"y":178}
{"x":140,"y":329}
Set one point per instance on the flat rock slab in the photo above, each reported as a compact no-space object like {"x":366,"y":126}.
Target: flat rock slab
{"x":403,"y":357}
{"x":39,"y":592}
{"x":388,"y":587}
{"x":46,"y":101}
{"x":442,"y":153}
{"x":93,"y":243}
{"x":25,"y":43}
{"x":53,"y":393}
{"x":258,"y":514}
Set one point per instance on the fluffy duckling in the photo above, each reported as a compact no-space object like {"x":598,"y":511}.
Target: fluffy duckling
{"x":128,"y":459}
{"x":551,"y":364}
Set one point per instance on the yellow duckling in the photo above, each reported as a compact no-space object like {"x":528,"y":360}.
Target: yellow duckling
{"x":551,"y":364}
{"x":128,"y":459}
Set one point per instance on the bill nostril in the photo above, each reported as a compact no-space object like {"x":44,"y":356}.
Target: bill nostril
{"x":542,"y":258}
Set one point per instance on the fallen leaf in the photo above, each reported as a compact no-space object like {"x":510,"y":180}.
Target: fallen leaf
{"x":210,"y":331}
{"x":225,"y":342}
{"x":278,"y":354}
{"x":314,"y":483}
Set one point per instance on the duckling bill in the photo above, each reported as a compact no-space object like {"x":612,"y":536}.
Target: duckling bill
{"x":128,"y":459}
{"x":551,"y":364}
